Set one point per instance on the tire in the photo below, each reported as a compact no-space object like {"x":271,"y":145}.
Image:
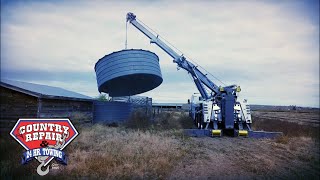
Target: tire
{"x":199,"y":121}
{"x":196,"y":120}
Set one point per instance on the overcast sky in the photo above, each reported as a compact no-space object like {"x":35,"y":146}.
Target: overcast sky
{"x":269,"y":48}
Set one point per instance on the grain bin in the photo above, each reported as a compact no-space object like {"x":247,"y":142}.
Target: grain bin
{"x":111,"y":112}
{"x":128,"y":72}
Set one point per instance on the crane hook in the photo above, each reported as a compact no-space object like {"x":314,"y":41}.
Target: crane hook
{"x":39,"y":170}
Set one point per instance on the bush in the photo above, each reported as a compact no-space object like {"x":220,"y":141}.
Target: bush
{"x":162,"y":121}
{"x":138,"y":120}
{"x":173,"y":120}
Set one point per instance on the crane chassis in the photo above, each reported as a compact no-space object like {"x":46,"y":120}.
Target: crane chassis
{"x":215,"y":110}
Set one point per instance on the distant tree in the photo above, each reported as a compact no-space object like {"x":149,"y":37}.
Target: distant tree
{"x":103,"y":97}
{"x":294,"y":107}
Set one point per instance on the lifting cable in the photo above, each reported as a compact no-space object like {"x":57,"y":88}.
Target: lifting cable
{"x":126,"y":42}
{"x":162,"y":38}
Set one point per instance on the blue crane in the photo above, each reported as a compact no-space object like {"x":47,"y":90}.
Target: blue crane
{"x":217,"y":107}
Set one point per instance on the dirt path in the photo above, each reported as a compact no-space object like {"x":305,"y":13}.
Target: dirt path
{"x":243,"y":158}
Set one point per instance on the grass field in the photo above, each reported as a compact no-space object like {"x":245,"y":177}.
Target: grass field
{"x":159,"y":150}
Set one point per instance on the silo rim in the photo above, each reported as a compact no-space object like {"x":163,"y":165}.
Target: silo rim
{"x":124,"y":50}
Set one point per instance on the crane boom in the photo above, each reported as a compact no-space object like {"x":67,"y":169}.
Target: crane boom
{"x":218,"y":108}
{"x":199,"y":78}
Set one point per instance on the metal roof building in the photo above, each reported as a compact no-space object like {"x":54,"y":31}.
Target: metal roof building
{"x":160,"y":107}
{"x":42,"y":91}
{"x":29,"y":100}
{"x":168,"y":105}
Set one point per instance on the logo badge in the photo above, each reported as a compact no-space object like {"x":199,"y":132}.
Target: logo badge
{"x":44,"y":139}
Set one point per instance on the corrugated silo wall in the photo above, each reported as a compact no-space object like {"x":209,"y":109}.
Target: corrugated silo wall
{"x":128,"y":72}
{"x":109,"y":112}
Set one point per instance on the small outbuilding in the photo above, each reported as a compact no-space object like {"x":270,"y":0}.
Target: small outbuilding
{"x":29,"y":100}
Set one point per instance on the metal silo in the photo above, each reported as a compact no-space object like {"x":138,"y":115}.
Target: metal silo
{"x":111,"y":112}
{"x":128,"y":72}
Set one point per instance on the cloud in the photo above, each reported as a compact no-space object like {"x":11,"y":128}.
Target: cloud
{"x":269,"y":48}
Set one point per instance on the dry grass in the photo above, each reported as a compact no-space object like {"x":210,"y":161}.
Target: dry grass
{"x":115,"y":153}
{"x":290,"y":129}
{"x":282,"y":139}
{"x":158,"y":150}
